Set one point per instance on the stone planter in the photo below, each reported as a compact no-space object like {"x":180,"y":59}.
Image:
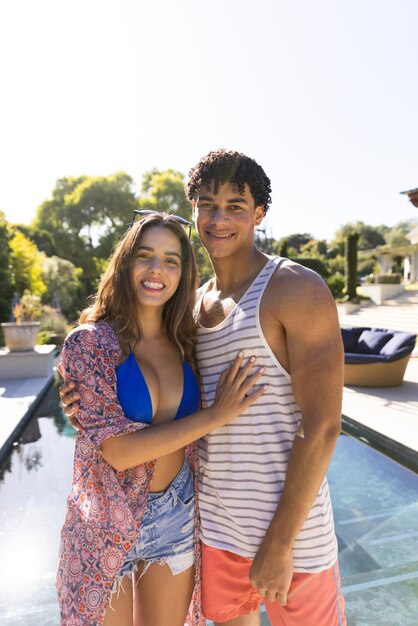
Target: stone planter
{"x":29,"y":364}
{"x":379,"y":292}
{"x":20,"y":337}
{"x":345,"y":308}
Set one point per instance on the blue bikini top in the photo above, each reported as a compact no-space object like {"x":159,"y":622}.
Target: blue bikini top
{"x":134,"y":396}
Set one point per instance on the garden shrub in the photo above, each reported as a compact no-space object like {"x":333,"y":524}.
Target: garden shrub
{"x":313,"y":264}
{"x":336,"y":284}
{"x":389,"y":279}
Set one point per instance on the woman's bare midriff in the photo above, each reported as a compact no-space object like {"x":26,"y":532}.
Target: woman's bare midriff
{"x":166,"y":469}
{"x":162,"y":370}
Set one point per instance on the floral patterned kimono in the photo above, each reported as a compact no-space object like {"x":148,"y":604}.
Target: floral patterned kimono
{"x":105,"y":506}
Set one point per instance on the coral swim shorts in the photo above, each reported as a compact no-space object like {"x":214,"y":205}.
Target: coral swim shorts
{"x":314,"y":599}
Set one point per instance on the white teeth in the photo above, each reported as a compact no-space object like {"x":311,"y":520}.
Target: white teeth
{"x":152,"y":285}
{"x":220,"y":236}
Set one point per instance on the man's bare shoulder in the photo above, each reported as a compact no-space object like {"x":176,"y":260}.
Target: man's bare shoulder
{"x":295,"y":282}
{"x":295,"y":294}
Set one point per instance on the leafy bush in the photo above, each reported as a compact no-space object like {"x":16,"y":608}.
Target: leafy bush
{"x":367,"y":266}
{"x":28,"y":309}
{"x":389,"y":279}
{"x":6,"y":288}
{"x":336,"y":285}
{"x":384,"y":279}
{"x":62,"y":280}
{"x":369,"y":279}
{"x":54,"y":327}
{"x":26,"y":265}
{"x":336,"y":265}
{"x":313,"y":264}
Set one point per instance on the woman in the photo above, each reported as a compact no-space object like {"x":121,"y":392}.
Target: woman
{"x":129,"y":542}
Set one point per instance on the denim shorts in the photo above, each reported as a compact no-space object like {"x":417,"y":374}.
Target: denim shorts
{"x":166,"y":534}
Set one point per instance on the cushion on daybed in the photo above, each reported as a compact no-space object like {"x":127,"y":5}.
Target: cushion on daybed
{"x":373,"y":345}
{"x":372,"y":341}
{"x":349,"y":339}
{"x":399,"y":341}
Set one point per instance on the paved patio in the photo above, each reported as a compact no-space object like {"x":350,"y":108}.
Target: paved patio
{"x":400,"y":313}
{"x":18,"y":400}
{"x":391,"y":411}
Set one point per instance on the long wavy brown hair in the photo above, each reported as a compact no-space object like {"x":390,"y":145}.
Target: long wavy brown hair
{"x":115,"y":301}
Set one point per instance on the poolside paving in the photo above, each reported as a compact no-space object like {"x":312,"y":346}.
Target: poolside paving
{"x":390,"y":411}
{"x":400,"y":313}
{"x":18,"y":397}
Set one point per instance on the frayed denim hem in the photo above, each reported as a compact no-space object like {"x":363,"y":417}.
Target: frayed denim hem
{"x":178,"y":563}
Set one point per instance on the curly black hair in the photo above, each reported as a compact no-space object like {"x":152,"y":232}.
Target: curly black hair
{"x":221,"y":166}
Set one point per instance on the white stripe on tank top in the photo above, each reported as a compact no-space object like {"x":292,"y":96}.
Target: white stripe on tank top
{"x":243,"y":464}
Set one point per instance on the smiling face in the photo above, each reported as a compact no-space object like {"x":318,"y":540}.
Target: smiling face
{"x":156,"y":266}
{"x":225,"y":220}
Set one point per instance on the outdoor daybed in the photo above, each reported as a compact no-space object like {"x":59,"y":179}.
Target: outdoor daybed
{"x":376,"y":357}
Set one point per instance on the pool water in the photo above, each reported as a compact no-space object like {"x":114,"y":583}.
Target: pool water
{"x":375,"y":503}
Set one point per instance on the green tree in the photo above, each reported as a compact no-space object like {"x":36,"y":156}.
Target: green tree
{"x":396,"y":236}
{"x":314,"y":248}
{"x":6,"y":287}
{"x":26,"y":265}
{"x":82,"y":220}
{"x":369,"y":236}
{"x":43,"y":239}
{"x":351,"y":265}
{"x":282,"y":249}
{"x":164,"y":191}
{"x":336,"y":284}
{"x":56,"y":231}
{"x":53,"y":228}
{"x":293,"y":243}
{"x":62,"y":279}
{"x":104,"y":203}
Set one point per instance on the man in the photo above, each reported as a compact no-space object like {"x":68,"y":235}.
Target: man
{"x":267,"y":525}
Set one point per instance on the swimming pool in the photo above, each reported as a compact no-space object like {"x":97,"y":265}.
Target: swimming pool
{"x":375,"y":504}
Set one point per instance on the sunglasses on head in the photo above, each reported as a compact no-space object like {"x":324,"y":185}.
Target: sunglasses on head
{"x":177,"y":218}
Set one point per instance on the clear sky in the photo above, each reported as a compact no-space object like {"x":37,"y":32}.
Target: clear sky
{"x":323,"y":93}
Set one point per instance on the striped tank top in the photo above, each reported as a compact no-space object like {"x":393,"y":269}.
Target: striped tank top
{"x":243,"y":464}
